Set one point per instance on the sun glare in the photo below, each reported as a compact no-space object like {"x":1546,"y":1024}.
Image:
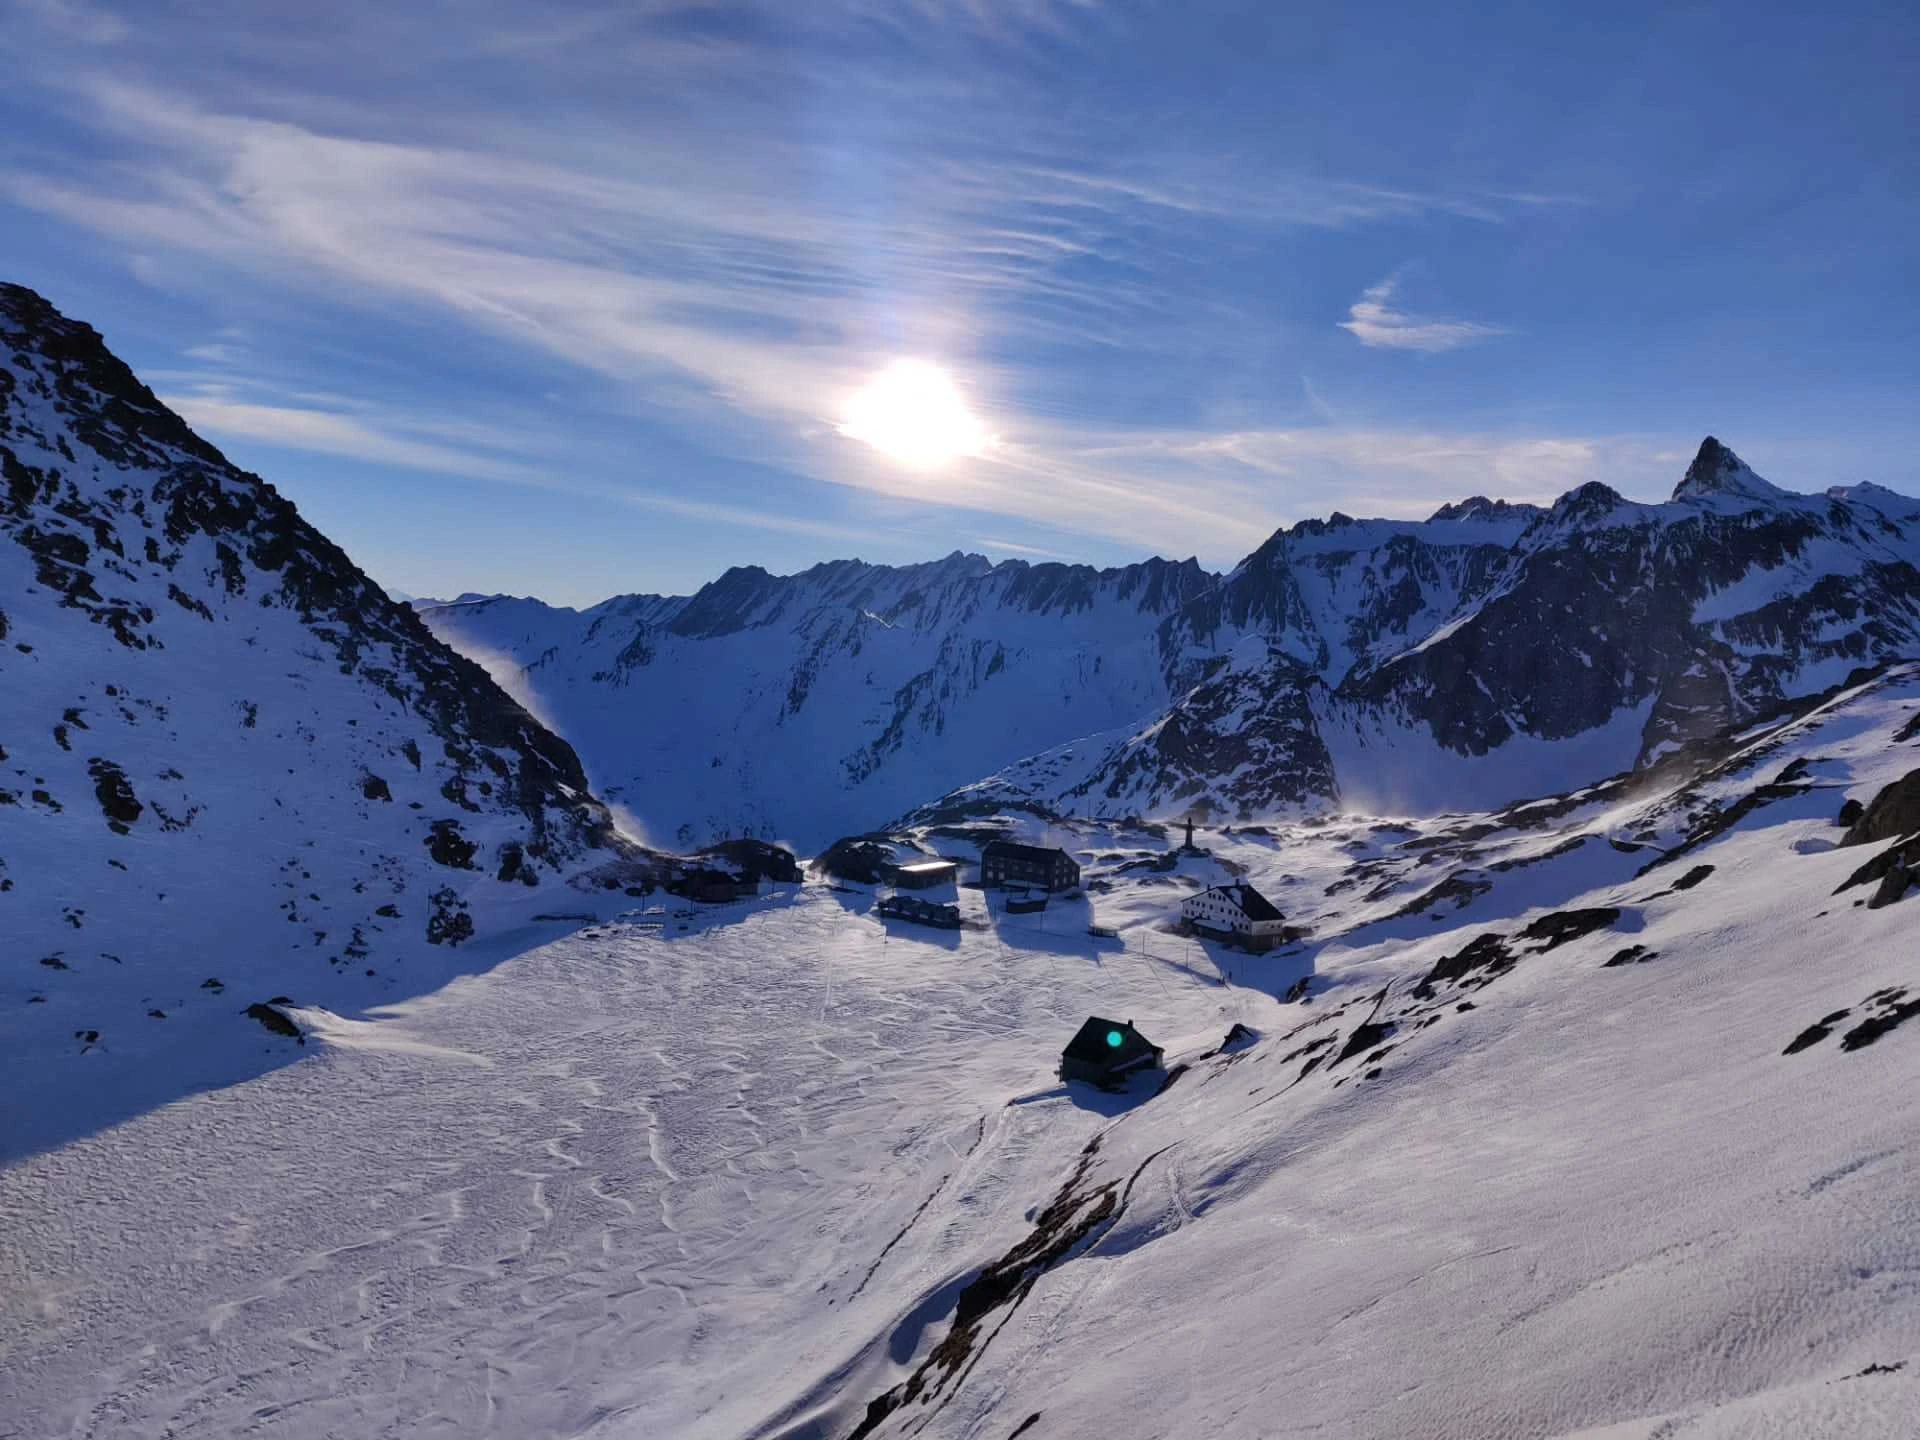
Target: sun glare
{"x":915,"y":415}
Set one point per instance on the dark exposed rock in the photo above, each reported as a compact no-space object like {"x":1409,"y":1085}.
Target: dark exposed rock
{"x":1874,"y":1369}
{"x":1903,"y":857}
{"x":1561,"y":926}
{"x":276,"y":1020}
{"x":448,"y":846}
{"x":1365,"y":1037}
{"x":1894,"y":1014}
{"x":1462,"y":890}
{"x":514,"y":866}
{"x":1815,"y":1033}
{"x":448,"y":922}
{"x":1631,"y":955}
{"x":1075,"y":1214}
{"x":1850,"y":811}
{"x":1895,"y":812}
{"x":1693,"y":877}
{"x":1717,"y":818}
{"x":1893,"y":885}
{"x":1488,"y":953}
{"x":115,"y":793}
{"x":374,"y":788}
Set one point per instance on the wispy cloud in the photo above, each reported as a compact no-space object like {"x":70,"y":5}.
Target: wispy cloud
{"x":734,"y":265}
{"x":477,"y":452}
{"x":1374,"y":321}
{"x":326,"y":432}
{"x":1009,"y":547}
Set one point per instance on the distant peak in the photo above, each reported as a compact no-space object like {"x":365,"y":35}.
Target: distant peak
{"x":1479,"y":507}
{"x":1716,"y":471}
{"x":1590,"y":501}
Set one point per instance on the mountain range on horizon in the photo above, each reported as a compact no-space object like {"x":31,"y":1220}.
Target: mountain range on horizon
{"x":1399,"y":665}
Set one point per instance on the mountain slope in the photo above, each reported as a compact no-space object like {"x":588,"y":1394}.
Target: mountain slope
{"x":1552,"y":1148}
{"x":1573,"y":1134}
{"x":812,"y":705}
{"x":1491,"y":652}
{"x":807,"y":706}
{"x":225,"y":755}
{"x":1605,"y":635}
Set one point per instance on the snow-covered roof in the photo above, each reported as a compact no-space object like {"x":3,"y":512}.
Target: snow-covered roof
{"x":1248,"y":900}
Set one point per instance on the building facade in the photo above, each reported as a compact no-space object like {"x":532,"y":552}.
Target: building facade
{"x":1237,"y":913}
{"x":1005,"y":862}
{"x":921,"y":912}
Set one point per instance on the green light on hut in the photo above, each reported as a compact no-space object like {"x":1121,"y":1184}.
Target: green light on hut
{"x":1113,"y":1038}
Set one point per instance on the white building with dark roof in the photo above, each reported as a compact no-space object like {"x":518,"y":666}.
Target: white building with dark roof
{"x":1237,"y":914}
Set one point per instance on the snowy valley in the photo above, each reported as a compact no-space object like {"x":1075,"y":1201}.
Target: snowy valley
{"x":1579,"y":1101}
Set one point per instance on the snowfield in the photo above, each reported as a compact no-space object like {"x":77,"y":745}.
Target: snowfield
{"x":1530,"y":1160}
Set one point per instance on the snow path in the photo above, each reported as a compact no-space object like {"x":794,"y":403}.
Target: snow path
{"x":566,"y":1190}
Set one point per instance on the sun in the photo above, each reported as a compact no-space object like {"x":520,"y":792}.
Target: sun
{"x":914,"y":414}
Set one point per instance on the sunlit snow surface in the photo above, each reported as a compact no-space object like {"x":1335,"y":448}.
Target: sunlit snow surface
{"x":733,"y":1180}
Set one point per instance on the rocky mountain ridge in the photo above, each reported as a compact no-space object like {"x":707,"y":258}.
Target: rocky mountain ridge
{"x":1490,"y":652}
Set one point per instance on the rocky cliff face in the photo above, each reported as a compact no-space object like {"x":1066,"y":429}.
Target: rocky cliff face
{"x":217,"y":736}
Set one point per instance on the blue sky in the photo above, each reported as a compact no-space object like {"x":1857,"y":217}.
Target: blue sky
{"x":571,"y":299}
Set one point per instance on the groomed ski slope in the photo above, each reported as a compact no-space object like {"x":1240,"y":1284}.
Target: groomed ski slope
{"x":738,"y":1180}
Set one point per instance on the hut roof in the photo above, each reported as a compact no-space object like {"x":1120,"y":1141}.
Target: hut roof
{"x":1108,"y":1042}
{"x":1249,"y":901}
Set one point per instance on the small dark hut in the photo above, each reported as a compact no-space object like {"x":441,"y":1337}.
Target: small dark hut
{"x":921,"y":912}
{"x":1106,"y":1052}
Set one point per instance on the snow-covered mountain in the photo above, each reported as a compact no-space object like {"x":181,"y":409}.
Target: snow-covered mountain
{"x":1491,"y":652}
{"x":230,"y":766}
{"x":806,"y":706}
{"x":1596,"y":1119}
